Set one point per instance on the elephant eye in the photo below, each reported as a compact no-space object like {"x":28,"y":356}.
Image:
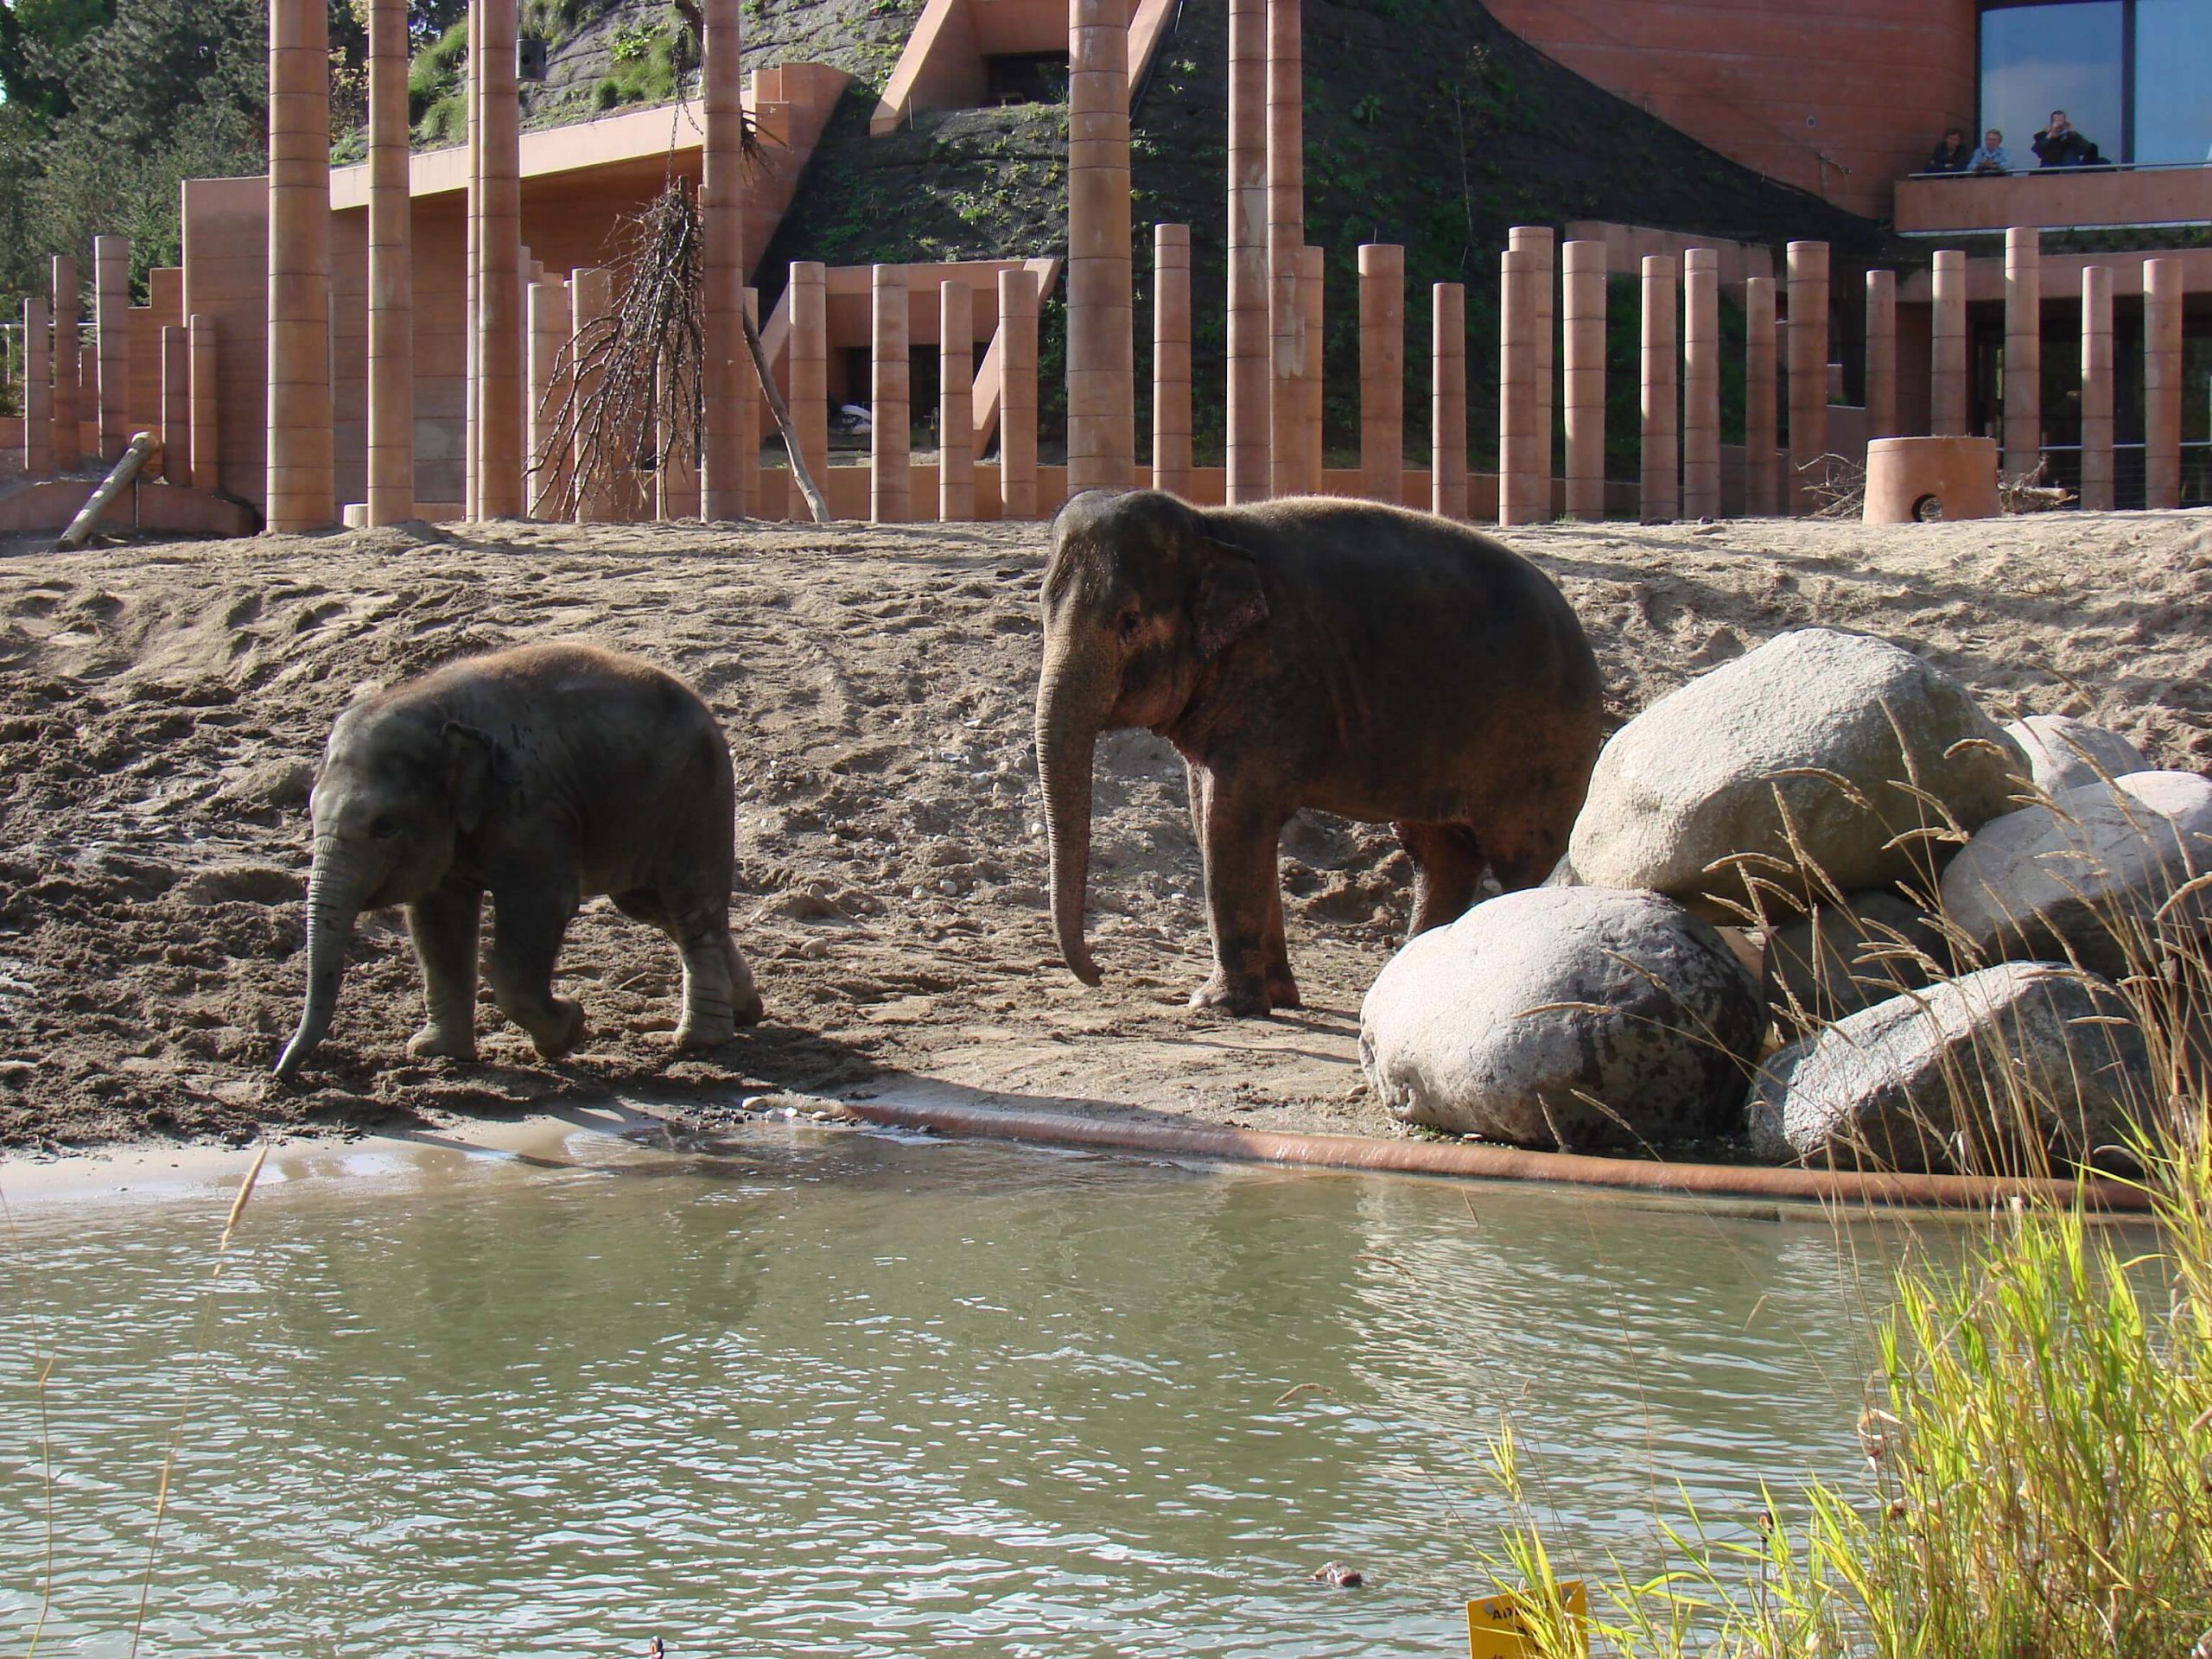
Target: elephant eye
{"x":384,"y":829}
{"x":1131,"y":620}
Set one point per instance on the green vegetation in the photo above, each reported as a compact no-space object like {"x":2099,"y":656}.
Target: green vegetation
{"x":437,"y":103}
{"x":649,"y":60}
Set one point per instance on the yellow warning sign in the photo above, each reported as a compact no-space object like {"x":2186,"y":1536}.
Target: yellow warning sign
{"x":1496,"y":1628}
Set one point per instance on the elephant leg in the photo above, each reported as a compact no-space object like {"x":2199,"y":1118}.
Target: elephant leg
{"x":528,"y":924}
{"x":443,"y":924}
{"x":1447,"y":872}
{"x":1283,"y":987}
{"x":719,"y":995}
{"x":1238,"y":834}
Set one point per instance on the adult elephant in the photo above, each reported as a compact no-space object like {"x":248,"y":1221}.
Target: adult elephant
{"x":1366,"y":661}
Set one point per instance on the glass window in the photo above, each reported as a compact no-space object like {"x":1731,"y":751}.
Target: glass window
{"x":2035,"y":59}
{"x":2173,"y":80}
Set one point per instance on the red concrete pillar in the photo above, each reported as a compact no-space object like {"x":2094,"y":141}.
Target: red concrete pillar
{"x":497,"y":140}
{"x":1286,"y":247}
{"x":1516,"y":388}
{"x":1762,"y":484}
{"x":65,"y":299}
{"x":1447,"y":401}
{"x":1382,"y":372}
{"x":1808,"y":367}
{"x":2023,"y":349}
{"x":2096,"y":389}
{"x":472,"y":102}
{"x":676,"y":480}
{"x":956,"y":418}
{"x":38,"y":394}
{"x":1170,"y":359}
{"x":809,"y":357}
{"x":1948,"y":346}
{"x":1881,"y":354}
{"x":752,"y":416}
{"x":1700,"y":384}
{"x":548,"y":492}
{"x":1102,"y":360}
{"x":2162,"y":374}
{"x":391,"y":273}
{"x":1660,"y":498}
{"x":301,"y":489}
{"x":890,"y":414}
{"x":721,"y":247}
{"x":88,"y":381}
{"x":207,"y":467}
{"x":1247,"y":413}
{"x":1542,"y":244}
{"x":1311,"y":294}
{"x":591,"y":295}
{"x":111,"y":316}
{"x":177,"y":405}
{"x":1018,"y":393}
{"x":1584,"y":297}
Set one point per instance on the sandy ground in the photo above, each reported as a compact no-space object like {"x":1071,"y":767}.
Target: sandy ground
{"x":162,"y":707}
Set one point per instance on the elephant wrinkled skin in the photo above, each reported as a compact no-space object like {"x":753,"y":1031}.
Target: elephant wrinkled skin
{"x":541,"y":776}
{"x":1375,"y":662}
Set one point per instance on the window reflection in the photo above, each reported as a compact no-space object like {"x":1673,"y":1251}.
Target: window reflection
{"x":2035,"y":59}
{"x":2173,"y":80}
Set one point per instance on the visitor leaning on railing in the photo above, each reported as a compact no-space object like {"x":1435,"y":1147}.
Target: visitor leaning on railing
{"x":2059,"y":145}
{"x":1951,"y":155}
{"x":1990,"y":157}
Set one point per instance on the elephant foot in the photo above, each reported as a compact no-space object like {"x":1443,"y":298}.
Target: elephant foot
{"x":1246,"y":999}
{"x":436,"y":1043}
{"x":1282,"y":992}
{"x":747,"y":1008}
{"x":560,"y":1034}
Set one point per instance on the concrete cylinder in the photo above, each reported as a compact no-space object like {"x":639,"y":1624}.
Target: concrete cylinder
{"x":2096,"y":389}
{"x":2162,"y":374}
{"x":1286,"y":247}
{"x":890,"y":410}
{"x":64,"y":442}
{"x":1809,"y":368}
{"x":724,"y":479}
{"x":676,"y":480}
{"x":88,"y":380}
{"x":591,"y":295}
{"x":1542,"y":244}
{"x":2023,"y":349}
{"x":551,"y":474}
{"x":1312,"y":296}
{"x":1102,"y":360}
{"x":207,"y":469}
{"x":177,"y":405}
{"x":111,"y":316}
{"x":1947,"y":326}
{"x":1881,"y":354}
{"x":1762,"y":483}
{"x":752,"y":416}
{"x":500,"y":323}
{"x":1700,"y":384}
{"x":1383,"y":372}
{"x":956,"y":419}
{"x":1018,"y":393}
{"x":1170,"y":359}
{"x":809,"y":357}
{"x":1246,"y":412}
{"x":472,"y":100}
{"x":1911,"y":479}
{"x":1661,"y":450}
{"x":391,"y":273}
{"x":300,"y":490}
{"x":38,"y":392}
{"x":1516,"y":388}
{"x":1583,"y":282}
{"x":1447,"y":401}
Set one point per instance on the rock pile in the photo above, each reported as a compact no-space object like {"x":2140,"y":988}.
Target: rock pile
{"x":1942,"y":907}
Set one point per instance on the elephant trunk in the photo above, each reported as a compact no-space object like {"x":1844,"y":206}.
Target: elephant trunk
{"x":333,"y":900}
{"x":1073,"y":700}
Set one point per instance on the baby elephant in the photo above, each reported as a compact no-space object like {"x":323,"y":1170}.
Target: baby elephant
{"x":542,"y":776}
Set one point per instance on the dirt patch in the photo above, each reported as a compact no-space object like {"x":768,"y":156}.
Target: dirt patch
{"x":161,"y":709}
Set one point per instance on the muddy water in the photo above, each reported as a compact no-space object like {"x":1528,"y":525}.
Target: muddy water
{"x":833,"y":1393}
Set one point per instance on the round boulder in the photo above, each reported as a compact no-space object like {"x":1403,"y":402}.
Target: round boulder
{"x":1991,"y":1073}
{"x":1575,"y":1017}
{"x":1837,"y":959}
{"x":1806,"y":745}
{"x":2088,"y":874}
{"x":2064,"y":753}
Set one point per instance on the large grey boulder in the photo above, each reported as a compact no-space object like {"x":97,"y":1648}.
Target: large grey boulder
{"x":1573,"y":1017}
{"x":1993,"y":1072}
{"x":2064,"y":753}
{"x":2087,"y":874}
{"x":1838,"y":958}
{"x":1813,"y":733}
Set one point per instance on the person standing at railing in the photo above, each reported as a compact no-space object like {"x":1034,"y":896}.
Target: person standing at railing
{"x":1991,"y":156}
{"x":2059,"y":145}
{"x":1950,"y":155}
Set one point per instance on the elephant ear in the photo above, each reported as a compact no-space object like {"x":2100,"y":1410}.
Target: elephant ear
{"x":1230,"y":602}
{"x":469,"y":757}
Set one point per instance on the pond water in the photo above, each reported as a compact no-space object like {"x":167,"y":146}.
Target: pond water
{"x":822,"y":1392}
